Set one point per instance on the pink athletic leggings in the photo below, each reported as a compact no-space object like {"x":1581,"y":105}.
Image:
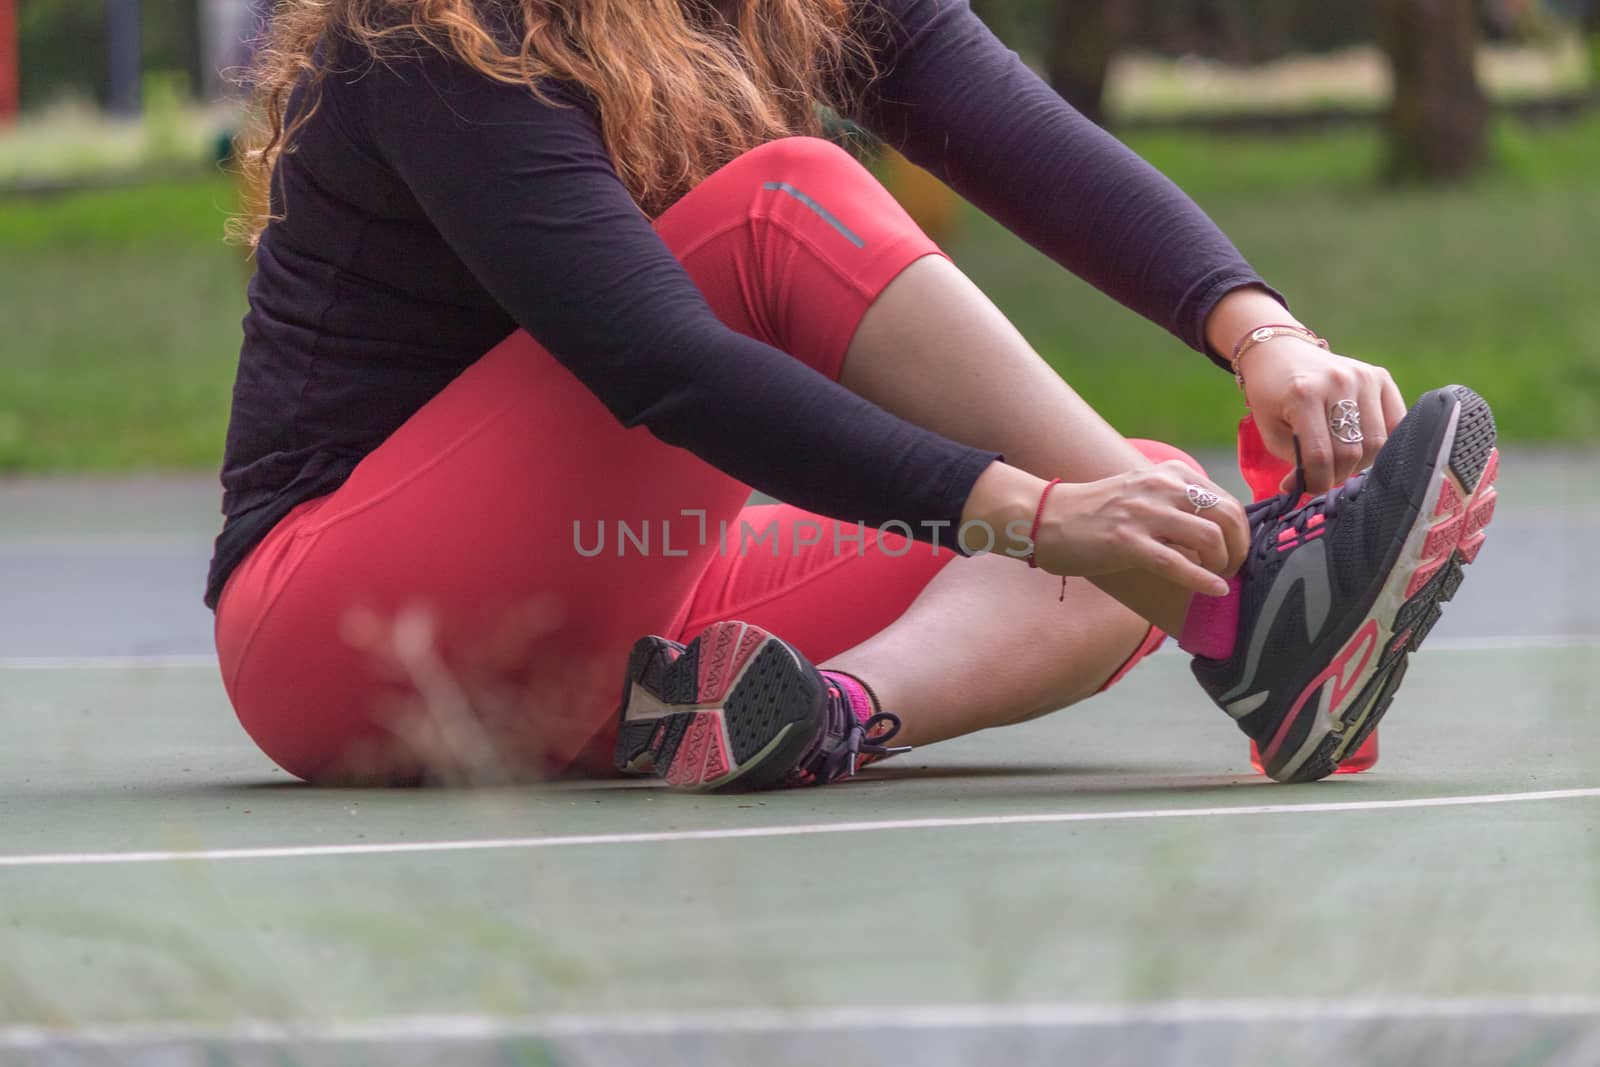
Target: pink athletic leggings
{"x":468,"y":597}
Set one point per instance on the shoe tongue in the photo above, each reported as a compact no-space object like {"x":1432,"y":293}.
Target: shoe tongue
{"x":850,"y":705}
{"x":1263,"y":472}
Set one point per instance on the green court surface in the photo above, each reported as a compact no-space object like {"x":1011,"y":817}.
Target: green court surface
{"x":1108,"y":885}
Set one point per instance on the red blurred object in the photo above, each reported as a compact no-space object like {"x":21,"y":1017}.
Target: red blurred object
{"x":10,"y":86}
{"x":1264,"y":473}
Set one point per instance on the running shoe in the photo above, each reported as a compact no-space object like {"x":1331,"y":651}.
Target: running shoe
{"x":740,"y":709}
{"x":1337,"y":592}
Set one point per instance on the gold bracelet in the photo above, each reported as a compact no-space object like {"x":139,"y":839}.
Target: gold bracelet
{"x":1263,"y":334}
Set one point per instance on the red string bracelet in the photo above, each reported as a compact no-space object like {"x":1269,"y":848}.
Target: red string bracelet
{"x":1033,"y":532}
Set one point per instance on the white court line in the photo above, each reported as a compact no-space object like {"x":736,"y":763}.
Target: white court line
{"x":78,"y":859}
{"x":208,"y":661}
{"x":874,"y":1018}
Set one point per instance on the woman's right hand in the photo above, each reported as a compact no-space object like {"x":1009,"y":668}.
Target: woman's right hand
{"x":1141,"y":520}
{"x":1144,"y":520}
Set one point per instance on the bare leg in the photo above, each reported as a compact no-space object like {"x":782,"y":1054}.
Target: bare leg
{"x":989,"y":642}
{"x":936,"y":351}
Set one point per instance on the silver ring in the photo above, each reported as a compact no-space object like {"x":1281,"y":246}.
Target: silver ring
{"x":1201,"y":497}
{"x":1344,"y":420}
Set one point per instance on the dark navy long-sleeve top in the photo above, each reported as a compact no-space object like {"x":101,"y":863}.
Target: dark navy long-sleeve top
{"x":427,"y":212}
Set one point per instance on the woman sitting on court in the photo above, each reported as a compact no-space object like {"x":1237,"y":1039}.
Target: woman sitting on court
{"x":545,"y":287}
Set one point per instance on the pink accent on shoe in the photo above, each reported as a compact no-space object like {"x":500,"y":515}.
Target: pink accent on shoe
{"x":1288,"y":535}
{"x":722,"y":659}
{"x":855,"y":694}
{"x":1482,"y":511}
{"x":1442,"y":538}
{"x":1469,"y":547}
{"x":1314,"y":521}
{"x":1423,"y":576}
{"x":717,"y":763}
{"x":690,"y":764}
{"x":1365,"y":642}
{"x":1211,"y":627}
{"x":1449,"y":499}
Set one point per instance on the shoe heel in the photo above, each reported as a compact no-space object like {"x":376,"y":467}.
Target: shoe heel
{"x":736,"y":708}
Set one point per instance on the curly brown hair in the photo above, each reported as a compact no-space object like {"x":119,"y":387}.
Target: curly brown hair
{"x":682,"y":86}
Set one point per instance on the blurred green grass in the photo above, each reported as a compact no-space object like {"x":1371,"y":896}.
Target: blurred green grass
{"x":1494,"y":285}
{"x":121,"y":308}
{"x":121,"y":318}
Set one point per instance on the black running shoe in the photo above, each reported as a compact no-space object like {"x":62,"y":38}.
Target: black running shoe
{"x":1338,"y":592}
{"x":738,"y":709}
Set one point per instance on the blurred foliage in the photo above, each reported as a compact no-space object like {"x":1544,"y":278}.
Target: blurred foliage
{"x":165,"y":95}
{"x":1255,"y":31}
{"x":1438,"y":119}
{"x":1591,"y":25}
{"x":62,"y":44}
{"x":129,"y":303}
{"x":1490,"y":283}
{"x":63,"y":40}
{"x":1241,"y":31}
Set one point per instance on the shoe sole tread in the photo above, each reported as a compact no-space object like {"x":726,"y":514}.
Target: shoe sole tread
{"x":734,"y":712}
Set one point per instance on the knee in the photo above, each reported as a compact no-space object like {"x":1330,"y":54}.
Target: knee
{"x":310,"y":700}
{"x":321,"y":741}
{"x":1161,"y":452}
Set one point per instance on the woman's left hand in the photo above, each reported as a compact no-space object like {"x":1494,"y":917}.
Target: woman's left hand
{"x":1295,"y":390}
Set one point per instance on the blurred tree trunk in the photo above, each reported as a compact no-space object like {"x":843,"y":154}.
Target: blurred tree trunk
{"x":188,"y":43}
{"x":1084,"y":34}
{"x":124,"y":58}
{"x":1591,"y":25}
{"x":1438,"y":118}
